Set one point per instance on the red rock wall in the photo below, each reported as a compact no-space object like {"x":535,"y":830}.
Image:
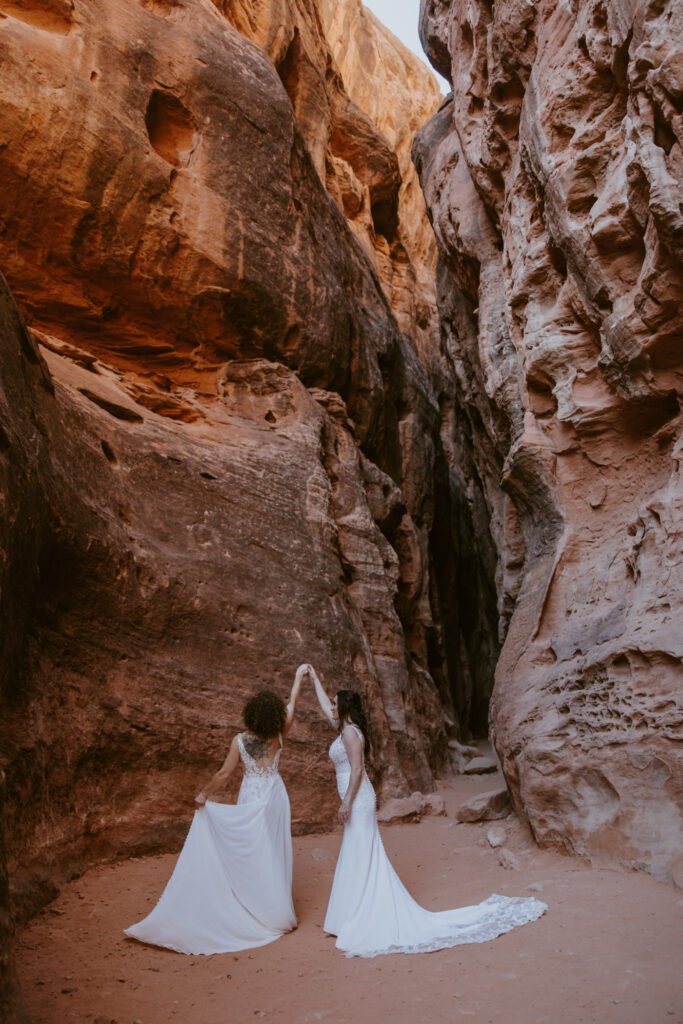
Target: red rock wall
{"x":22,"y":376}
{"x":553,"y":181}
{"x":234,"y":462}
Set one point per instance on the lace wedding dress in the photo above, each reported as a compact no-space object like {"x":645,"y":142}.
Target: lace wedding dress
{"x":370,"y":910}
{"x":231,"y":888}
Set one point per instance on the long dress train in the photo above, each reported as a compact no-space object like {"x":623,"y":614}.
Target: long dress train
{"x":231,"y":888}
{"x":370,"y":910}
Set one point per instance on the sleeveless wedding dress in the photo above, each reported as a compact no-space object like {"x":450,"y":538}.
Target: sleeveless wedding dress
{"x":231,"y":888}
{"x":370,"y":910}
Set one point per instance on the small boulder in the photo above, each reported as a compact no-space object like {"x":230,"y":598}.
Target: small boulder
{"x":488,"y":806}
{"x":496,"y":836}
{"x":480,"y":766}
{"x":508,"y":860}
{"x":461,"y":755}
{"x":433,"y":803}
{"x":406,"y":808}
{"x":461,"y":748}
{"x":411,"y":808}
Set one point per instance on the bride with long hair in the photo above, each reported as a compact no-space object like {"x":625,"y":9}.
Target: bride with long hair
{"x":370,"y":911}
{"x":231,"y":888}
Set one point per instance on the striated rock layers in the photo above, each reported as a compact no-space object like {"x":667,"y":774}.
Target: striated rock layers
{"x":553,"y":180}
{"x":219,"y":453}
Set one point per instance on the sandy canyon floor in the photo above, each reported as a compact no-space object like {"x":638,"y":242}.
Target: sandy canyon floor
{"x":608,"y":951}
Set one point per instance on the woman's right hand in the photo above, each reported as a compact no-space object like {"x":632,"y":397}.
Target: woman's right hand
{"x":200,"y":800}
{"x":344,"y":812}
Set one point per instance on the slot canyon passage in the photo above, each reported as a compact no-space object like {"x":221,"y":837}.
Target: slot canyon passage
{"x":301,"y":360}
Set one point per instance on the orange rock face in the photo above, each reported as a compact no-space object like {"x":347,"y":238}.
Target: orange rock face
{"x":553,"y":180}
{"x":220,"y":454}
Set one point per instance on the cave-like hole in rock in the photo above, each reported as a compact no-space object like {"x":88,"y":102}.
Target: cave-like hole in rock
{"x":557,"y":258}
{"x":541,"y":398}
{"x":645,"y":417}
{"x":665,"y":137}
{"x":505,"y":93}
{"x":385,"y":217}
{"x":289,"y":69}
{"x":171,"y":128}
{"x":467,"y":44}
{"x":109,"y":453}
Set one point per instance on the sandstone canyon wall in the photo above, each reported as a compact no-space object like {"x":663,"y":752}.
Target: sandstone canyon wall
{"x":553,"y":180}
{"x":384,"y":79}
{"x":220,"y":441}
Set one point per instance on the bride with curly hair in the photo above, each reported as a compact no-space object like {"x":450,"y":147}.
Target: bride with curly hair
{"x":231,"y":888}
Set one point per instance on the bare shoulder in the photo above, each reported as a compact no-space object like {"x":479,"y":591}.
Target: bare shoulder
{"x":351,"y":735}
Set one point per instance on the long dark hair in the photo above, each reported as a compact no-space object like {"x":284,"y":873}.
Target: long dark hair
{"x":350,"y":708}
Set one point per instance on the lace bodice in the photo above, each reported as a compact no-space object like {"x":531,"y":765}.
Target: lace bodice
{"x":258,"y":778}
{"x":338,"y":755}
{"x":251,"y":765}
{"x":365,"y":797}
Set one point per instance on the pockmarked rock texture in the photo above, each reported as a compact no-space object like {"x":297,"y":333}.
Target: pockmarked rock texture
{"x":553,"y":181}
{"x":220,"y":453}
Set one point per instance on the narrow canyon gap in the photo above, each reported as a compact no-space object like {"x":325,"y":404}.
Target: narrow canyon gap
{"x":257,"y":410}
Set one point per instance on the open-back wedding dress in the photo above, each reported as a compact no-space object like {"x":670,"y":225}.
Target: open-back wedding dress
{"x":231,"y":888}
{"x":370,"y":910}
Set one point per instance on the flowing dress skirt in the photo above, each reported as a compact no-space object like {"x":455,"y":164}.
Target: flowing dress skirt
{"x":370,"y":910}
{"x":231,"y":888}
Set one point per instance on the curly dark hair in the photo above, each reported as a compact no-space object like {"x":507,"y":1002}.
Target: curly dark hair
{"x":265,"y":714}
{"x":350,"y":709}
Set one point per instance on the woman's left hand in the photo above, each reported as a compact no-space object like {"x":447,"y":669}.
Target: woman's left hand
{"x":200,"y":800}
{"x":344,"y":812}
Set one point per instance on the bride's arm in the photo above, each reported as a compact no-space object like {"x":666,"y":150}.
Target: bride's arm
{"x":354,"y":750}
{"x":294,"y":697}
{"x":221,"y":776}
{"x":323,"y":700}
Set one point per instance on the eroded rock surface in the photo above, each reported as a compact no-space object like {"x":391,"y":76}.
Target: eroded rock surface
{"x":399,"y":93}
{"x":553,"y":180}
{"x":227,"y":458}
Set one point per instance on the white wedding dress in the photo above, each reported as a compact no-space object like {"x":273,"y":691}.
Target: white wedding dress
{"x":231,"y":888}
{"x":370,"y":910}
